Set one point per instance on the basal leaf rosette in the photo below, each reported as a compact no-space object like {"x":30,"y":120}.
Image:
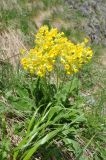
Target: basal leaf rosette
{"x":54,"y":51}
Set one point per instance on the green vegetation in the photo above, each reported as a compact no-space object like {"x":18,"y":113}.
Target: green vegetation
{"x":37,"y":119}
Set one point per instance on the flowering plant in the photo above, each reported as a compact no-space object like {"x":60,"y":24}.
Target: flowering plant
{"x":55,"y":117}
{"x":54,"y":52}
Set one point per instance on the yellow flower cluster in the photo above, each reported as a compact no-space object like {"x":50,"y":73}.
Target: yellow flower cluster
{"x":53,"y":48}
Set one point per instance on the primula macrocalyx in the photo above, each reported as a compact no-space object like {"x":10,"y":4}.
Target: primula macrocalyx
{"x":52,"y":49}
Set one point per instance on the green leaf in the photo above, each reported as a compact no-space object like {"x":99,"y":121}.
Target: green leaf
{"x":42,"y":141}
{"x":32,"y":121}
{"x":72,"y":145}
{"x":74,"y":84}
{"x":66,"y":90}
{"x":54,"y":110}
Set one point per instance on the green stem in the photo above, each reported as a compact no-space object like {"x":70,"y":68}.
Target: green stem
{"x":87,"y":145}
{"x":31,"y":88}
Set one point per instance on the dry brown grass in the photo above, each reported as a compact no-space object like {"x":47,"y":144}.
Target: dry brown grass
{"x":9,"y":4}
{"x":10,"y":43}
{"x":16,"y":4}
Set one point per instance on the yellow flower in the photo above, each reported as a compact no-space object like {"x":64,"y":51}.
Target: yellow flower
{"x":49,"y":68}
{"x":75,"y":70}
{"x":22,"y":51}
{"x":23,"y":61}
{"x":53,"y":49}
{"x":53,"y":32}
{"x":86,"y":40}
{"x":40,"y":73}
{"x":68,"y":72}
{"x":25,"y":68}
{"x":67,"y":67}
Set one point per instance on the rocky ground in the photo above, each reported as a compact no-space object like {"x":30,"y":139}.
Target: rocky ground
{"x":94,"y":14}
